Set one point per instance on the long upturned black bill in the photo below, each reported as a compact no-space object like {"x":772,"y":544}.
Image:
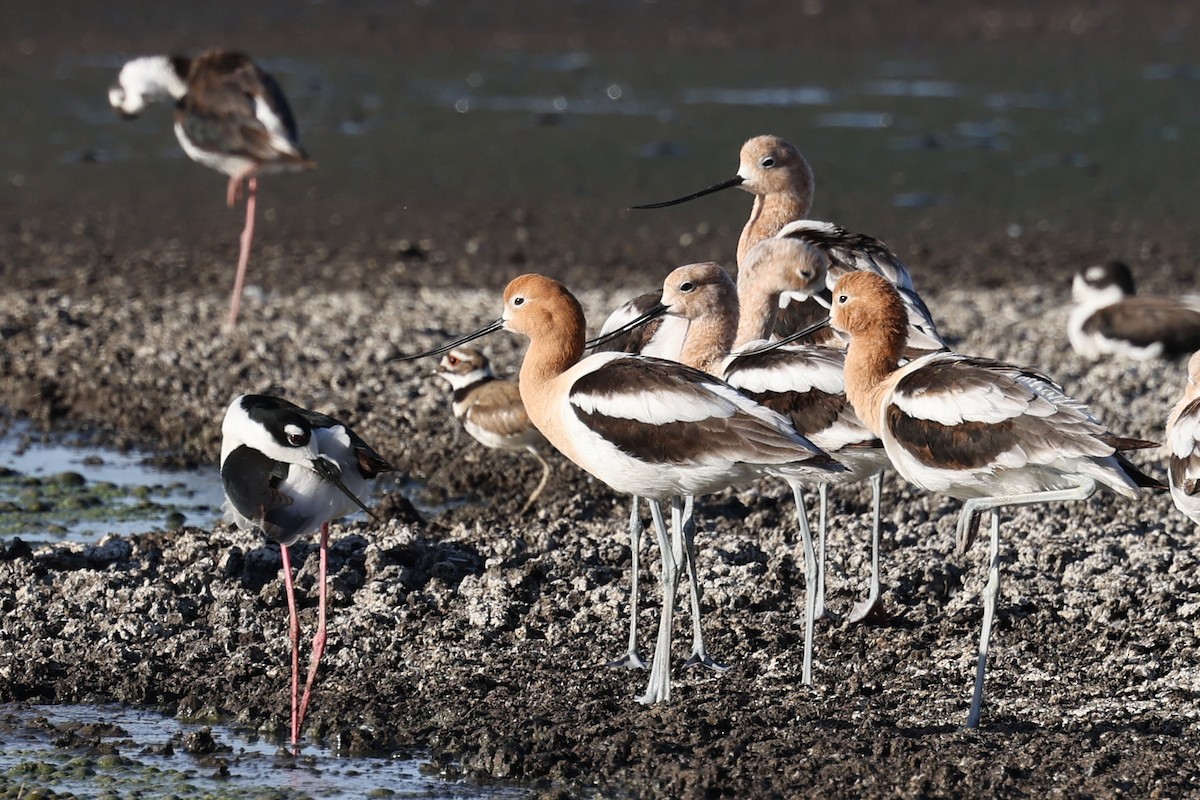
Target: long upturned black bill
{"x":736,"y":180}
{"x":656,"y":311}
{"x":800,"y":334}
{"x":470,"y":337}
{"x":328,"y":470}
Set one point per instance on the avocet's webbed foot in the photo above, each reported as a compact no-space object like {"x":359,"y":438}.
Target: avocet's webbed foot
{"x":631,"y":660}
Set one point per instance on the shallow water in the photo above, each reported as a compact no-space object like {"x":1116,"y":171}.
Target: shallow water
{"x":995,"y":141}
{"x":61,"y":489}
{"x":64,"y":490}
{"x":138,"y":753}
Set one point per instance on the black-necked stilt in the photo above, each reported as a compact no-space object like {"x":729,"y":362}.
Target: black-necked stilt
{"x":491,"y":410}
{"x":989,"y":433}
{"x":643,"y":426}
{"x":230,"y":116}
{"x":1183,"y":445}
{"x":288,"y":472}
{"x":1110,"y":319}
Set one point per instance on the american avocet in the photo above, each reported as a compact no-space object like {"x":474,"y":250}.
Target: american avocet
{"x":643,"y":426}
{"x":780,"y":179}
{"x":230,"y":116}
{"x":804,"y":383}
{"x":982,"y":431}
{"x":287,"y":472}
{"x":1183,"y":445}
{"x":1110,"y":319}
{"x":491,"y":410}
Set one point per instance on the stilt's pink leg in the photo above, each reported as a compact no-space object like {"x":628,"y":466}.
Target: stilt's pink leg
{"x":244,"y":255}
{"x":318,"y":648}
{"x":294,"y":630}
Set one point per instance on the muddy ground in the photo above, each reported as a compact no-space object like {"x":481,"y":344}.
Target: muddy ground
{"x":479,"y":634}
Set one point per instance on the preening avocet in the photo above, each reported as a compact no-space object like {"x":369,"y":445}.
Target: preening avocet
{"x":491,"y":410}
{"x":989,"y":433}
{"x":834,"y":251}
{"x":1109,"y":318}
{"x":1183,"y":445}
{"x":643,"y":426}
{"x":287,"y":472}
{"x":230,"y":116}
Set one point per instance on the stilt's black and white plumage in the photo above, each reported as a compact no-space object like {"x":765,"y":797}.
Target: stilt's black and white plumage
{"x":288,"y":472}
{"x":1109,"y":318}
{"x":490,"y":409}
{"x":230,"y":116}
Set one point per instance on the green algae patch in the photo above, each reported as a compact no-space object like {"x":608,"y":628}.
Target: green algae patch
{"x":56,"y":504}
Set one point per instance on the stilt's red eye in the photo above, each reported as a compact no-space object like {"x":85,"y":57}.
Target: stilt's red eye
{"x":296,"y":439}
{"x":452,"y":360}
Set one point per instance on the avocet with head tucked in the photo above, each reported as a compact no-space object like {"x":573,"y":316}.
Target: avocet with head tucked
{"x":1110,"y":318}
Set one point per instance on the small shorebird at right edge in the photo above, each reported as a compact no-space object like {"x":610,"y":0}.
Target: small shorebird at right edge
{"x":230,"y":115}
{"x":982,"y":431}
{"x":1183,"y":445}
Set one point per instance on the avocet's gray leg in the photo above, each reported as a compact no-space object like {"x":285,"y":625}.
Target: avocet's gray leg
{"x":810,"y":579}
{"x":990,"y":594}
{"x":632,"y":659}
{"x":872,"y":608}
{"x":658,"y":688}
{"x":699,"y":656}
{"x":822,"y":611}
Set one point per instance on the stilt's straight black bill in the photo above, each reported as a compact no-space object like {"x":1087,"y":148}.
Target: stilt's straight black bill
{"x":470,"y":337}
{"x":800,"y":334}
{"x":657,"y":311}
{"x":330,"y":472}
{"x":736,"y":180}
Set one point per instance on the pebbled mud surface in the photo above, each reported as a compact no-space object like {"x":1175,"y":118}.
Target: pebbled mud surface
{"x":480,"y":634}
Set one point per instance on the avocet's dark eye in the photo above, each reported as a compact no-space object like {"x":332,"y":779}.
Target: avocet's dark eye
{"x":518,"y":301}
{"x":768,"y":162}
{"x":687,"y":286}
{"x":843,"y":298}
